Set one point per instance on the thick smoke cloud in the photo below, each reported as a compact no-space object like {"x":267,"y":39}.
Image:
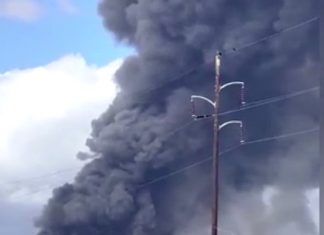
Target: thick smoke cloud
{"x":131,"y":137}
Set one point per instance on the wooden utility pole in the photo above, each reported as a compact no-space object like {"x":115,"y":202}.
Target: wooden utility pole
{"x":217,"y":128}
{"x":215,"y":171}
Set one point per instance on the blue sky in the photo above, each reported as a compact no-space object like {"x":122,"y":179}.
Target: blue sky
{"x":55,"y":33}
{"x":47,"y":49}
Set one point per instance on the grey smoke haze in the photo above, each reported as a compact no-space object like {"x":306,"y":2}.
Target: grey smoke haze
{"x":172,"y":36}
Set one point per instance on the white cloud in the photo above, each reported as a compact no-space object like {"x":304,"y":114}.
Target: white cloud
{"x":312,"y":196}
{"x":45,"y":116}
{"x":31,"y":10}
{"x":313,"y":204}
{"x":67,"y":6}
{"x":25,"y":10}
{"x":272,"y":210}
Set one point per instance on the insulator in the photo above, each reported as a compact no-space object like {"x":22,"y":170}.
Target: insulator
{"x":242,"y":95}
{"x":203,"y":116}
{"x":193,"y":110}
{"x":241,"y":132}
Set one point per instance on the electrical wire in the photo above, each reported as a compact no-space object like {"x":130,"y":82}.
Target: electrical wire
{"x":311,"y":20}
{"x":261,"y":102}
{"x":226,"y":151}
{"x":280,"y":97}
{"x":235,"y":49}
{"x":68,"y":170}
{"x":205,"y":160}
{"x":281,"y":136}
{"x":184,"y":168}
{"x":24,"y":181}
{"x":55,"y":173}
{"x":182,"y":127}
{"x":42,"y":188}
{"x":249,"y":105}
{"x":188,"y":72}
{"x":255,"y":104}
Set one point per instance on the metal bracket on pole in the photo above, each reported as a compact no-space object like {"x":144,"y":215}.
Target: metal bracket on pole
{"x":202,"y":98}
{"x":234,"y":122}
{"x":229,"y":123}
{"x":196,"y":117}
{"x":236,"y":83}
{"x":231,"y":83}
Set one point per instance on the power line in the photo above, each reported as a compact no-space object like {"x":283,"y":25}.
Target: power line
{"x":55,"y":173}
{"x":175,"y":78}
{"x":64,"y":171}
{"x":226,"y":151}
{"x":270,"y":100}
{"x":311,"y":20}
{"x":282,"y":136}
{"x":179,"y":171}
{"x":275,"y":99}
{"x":282,"y":97}
{"x":254,"y":104}
{"x":182,"y":127}
{"x":258,"y":103}
{"x":43,"y":188}
{"x":249,"y":105}
{"x":238,"y":49}
{"x":185,"y":168}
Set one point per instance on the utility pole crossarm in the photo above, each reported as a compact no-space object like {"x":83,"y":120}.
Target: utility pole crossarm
{"x":236,"y":83}
{"x":234,"y":122}
{"x":232,"y":83}
{"x":202,"y":98}
{"x":193,"y":97}
{"x":229,"y":123}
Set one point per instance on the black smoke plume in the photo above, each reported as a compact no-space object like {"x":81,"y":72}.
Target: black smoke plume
{"x":132,"y":137}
